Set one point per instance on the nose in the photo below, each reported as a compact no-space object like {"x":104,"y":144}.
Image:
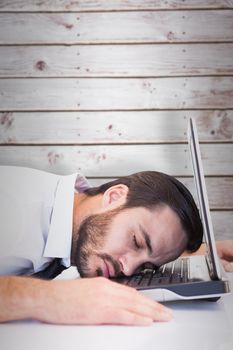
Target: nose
{"x":129,"y":264}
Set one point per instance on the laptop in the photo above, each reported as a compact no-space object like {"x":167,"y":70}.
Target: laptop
{"x":188,"y":277}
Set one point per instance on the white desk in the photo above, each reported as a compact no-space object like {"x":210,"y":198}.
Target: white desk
{"x":196,"y":325}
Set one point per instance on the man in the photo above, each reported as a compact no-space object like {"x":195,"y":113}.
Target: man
{"x":115,"y":229}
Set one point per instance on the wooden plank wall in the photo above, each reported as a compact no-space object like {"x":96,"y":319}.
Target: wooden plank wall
{"x":107,"y":87}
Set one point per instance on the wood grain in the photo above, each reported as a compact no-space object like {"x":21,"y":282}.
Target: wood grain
{"x":137,"y":127}
{"x":116,"y":160}
{"x":122,"y":27}
{"x":222,"y":224}
{"x":110,"y":5}
{"x":110,"y":94}
{"x":116,"y":60}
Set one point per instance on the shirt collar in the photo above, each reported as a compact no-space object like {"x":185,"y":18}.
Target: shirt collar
{"x":60,"y":232}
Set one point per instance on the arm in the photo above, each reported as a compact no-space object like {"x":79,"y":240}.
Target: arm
{"x":224,"y":250}
{"x":81,"y":301}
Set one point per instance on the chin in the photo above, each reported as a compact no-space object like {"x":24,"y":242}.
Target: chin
{"x":84,"y":273}
{"x":90,"y":267}
{"x":88,"y":273}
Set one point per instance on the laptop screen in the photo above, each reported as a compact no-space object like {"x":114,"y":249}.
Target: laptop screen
{"x":212,"y":256}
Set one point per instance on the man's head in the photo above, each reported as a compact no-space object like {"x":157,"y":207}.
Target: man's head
{"x":148,"y":217}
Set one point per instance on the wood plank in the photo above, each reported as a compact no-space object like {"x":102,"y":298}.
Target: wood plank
{"x":222,"y":224}
{"x":123,"y":27}
{"x":113,"y":127}
{"x":109,"y":94}
{"x":220,"y":190}
{"x":116,"y":60}
{"x":110,"y":5}
{"x":115,"y":160}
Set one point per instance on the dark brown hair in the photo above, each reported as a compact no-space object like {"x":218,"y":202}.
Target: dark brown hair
{"x":149,"y":189}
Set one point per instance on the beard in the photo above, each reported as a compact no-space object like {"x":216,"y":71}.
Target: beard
{"x":91,"y":237}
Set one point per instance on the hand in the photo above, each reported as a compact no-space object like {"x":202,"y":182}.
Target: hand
{"x":98,"y":301}
{"x":225,"y":252}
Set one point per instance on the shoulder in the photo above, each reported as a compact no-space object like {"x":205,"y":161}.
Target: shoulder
{"x":26,"y":183}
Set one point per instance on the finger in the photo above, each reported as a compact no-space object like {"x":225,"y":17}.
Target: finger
{"x":146,"y":311}
{"x":228,"y":266}
{"x":124,"y":317}
{"x":225,"y":250}
{"x":141,"y":305}
{"x":130,"y":299}
{"x":137,"y":297}
{"x":149,"y":308}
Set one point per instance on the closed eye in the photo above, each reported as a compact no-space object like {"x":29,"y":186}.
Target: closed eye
{"x":136,"y":244}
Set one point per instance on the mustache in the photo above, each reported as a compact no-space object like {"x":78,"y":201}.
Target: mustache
{"x":113,"y":262}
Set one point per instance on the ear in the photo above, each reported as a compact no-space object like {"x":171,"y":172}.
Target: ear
{"x":114,"y":196}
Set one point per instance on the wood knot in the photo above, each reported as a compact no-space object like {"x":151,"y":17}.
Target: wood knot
{"x":171,"y":36}
{"x":6,"y":119}
{"x":40,"y":65}
{"x":53,"y":157}
{"x":69,"y":26}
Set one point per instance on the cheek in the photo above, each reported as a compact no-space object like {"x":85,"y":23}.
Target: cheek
{"x":117,"y":242}
{"x":94,"y":261}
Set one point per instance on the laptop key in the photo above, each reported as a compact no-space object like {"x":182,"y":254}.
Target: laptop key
{"x":176,"y":272}
{"x":185,"y":270}
{"x":176,"y":278}
{"x":135,"y":280}
{"x":165,"y":280}
{"x":154,"y":281}
{"x":167,"y":270}
{"x":146,"y":279}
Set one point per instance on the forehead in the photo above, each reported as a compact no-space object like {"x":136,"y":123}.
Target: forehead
{"x":168,"y":238}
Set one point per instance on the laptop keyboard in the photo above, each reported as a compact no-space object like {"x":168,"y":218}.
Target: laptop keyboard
{"x":174,"y":272}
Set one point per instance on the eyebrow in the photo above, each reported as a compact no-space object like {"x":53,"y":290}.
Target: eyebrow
{"x":147,"y":240}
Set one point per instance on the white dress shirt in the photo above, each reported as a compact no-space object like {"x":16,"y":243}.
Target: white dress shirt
{"x":36,"y":216}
